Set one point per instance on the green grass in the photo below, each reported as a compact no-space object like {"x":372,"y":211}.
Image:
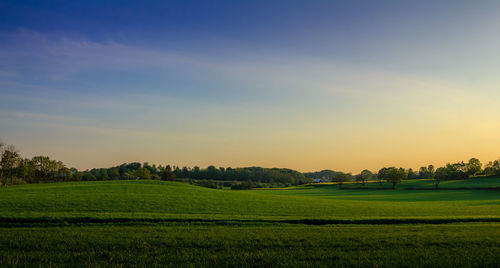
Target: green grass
{"x":452,"y":245}
{"x":154,"y":223}
{"x":172,"y":200}
{"x":474,"y":183}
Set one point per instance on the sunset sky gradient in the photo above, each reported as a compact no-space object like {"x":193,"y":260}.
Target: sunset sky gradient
{"x":308,"y":85}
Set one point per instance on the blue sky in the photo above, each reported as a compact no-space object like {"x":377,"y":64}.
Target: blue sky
{"x":302,"y":84}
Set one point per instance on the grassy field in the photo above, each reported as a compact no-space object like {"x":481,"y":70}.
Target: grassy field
{"x":448,"y":245}
{"x":148,"y":223}
{"x":171,"y":200}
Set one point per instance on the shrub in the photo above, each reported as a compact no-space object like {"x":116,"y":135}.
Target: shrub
{"x":207,"y":183}
{"x":242,"y":186}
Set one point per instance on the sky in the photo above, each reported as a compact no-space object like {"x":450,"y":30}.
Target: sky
{"x":307,"y":85}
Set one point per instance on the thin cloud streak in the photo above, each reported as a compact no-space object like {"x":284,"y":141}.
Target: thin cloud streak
{"x":276,"y":109}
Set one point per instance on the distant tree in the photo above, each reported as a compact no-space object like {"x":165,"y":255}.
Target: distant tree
{"x":184,"y":173}
{"x":9,"y":161}
{"x":492,"y":168}
{"x":143,"y":173}
{"x":364,"y":176}
{"x":426,"y":172}
{"x":449,"y":172}
{"x":441,"y":174}
{"x":359,"y":178}
{"x":26,"y":170}
{"x":168,"y":174}
{"x":64,"y":174}
{"x":103,"y":174}
{"x":2,"y":148}
{"x":129,"y":175}
{"x":382,"y":175}
{"x":411,"y":174}
{"x":454,"y":171}
{"x":177,"y":172}
{"x":41,"y":164}
{"x":195,"y":173}
{"x":114,"y":173}
{"x":87,"y":176}
{"x":133,"y":166}
{"x":394,"y":175}
{"x":77,"y":175}
{"x":431,"y":174}
{"x":431,"y":171}
{"x":212,"y":173}
{"x":473,"y":167}
{"x":323,"y":174}
{"x":340,"y":178}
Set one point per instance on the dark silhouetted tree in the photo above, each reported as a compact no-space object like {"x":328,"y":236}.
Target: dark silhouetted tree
{"x":168,"y":174}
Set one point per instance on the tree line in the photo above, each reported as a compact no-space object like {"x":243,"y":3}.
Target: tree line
{"x":16,"y":169}
{"x":271,"y":176}
{"x":393,"y":175}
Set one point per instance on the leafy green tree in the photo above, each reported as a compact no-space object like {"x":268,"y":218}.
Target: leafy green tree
{"x":449,"y":172}
{"x":2,"y":148}
{"x":143,"y":173}
{"x":212,"y":172}
{"x":426,"y":172}
{"x":114,"y":173}
{"x":411,"y":174}
{"x":382,"y":175}
{"x":168,"y":174}
{"x":26,"y":170}
{"x":442,"y":173}
{"x":87,"y":176}
{"x":177,"y":172}
{"x":454,"y":171}
{"x":41,"y":164}
{"x":431,"y":171}
{"x":77,"y":175}
{"x":64,"y":174}
{"x":492,"y":168}
{"x":473,"y":167}
{"x":184,"y":172}
{"x":195,"y":173}
{"x":364,"y":176}
{"x":103,"y":174}
{"x":9,"y":161}
{"x":340,"y":178}
{"x":394,"y":175}
{"x":431,"y":174}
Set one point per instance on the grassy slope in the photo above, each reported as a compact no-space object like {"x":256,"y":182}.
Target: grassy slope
{"x":256,"y":244}
{"x":170,"y":200}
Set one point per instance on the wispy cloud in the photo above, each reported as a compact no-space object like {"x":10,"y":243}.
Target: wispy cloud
{"x":61,"y":58}
{"x":117,"y":94}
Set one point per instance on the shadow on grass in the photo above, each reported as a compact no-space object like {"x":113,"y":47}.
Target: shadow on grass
{"x":85,"y":221}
